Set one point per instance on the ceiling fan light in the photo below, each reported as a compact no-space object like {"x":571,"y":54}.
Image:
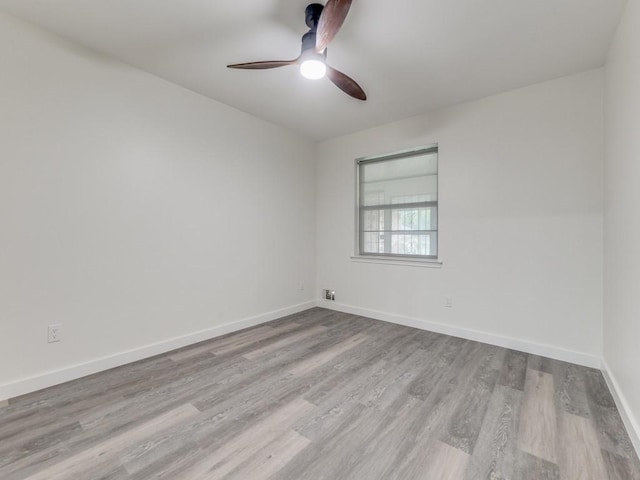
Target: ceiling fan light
{"x":313,"y":69}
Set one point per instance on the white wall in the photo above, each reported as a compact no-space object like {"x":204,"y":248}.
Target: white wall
{"x":133,"y":211}
{"x":622,"y":214}
{"x":520,"y":220}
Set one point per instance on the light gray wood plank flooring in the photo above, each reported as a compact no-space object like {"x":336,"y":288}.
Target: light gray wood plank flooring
{"x":323,"y":395}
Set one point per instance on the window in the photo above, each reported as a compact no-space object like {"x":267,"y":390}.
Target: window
{"x":398,"y":204}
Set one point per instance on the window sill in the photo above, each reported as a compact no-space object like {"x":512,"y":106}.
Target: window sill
{"x":408,"y":262}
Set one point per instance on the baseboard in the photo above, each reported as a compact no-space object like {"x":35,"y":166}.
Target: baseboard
{"x":550,"y":351}
{"x":56,"y":377}
{"x":630,"y":422}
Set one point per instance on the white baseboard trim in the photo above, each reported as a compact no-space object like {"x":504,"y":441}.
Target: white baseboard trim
{"x":579,"y":358}
{"x":630,"y":422}
{"x":73,"y":372}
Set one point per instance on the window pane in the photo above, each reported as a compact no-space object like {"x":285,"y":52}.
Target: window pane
{"x":423,"y":218}
{"x":413,"y":244}
{"x":412,"y":166}
{"x":373,"y":220}
{"x":373,"y":242}
{"x":385,"y":191}
{"x":415,"y":176}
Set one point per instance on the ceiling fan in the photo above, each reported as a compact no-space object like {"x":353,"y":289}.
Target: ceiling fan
{"x":324,"y":23}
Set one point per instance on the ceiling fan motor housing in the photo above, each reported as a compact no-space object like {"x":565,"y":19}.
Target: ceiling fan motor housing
{"x":308,"y":41}
{"x":312,"y":15}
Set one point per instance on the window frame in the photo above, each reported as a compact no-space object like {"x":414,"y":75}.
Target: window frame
{"x":395,"y":258}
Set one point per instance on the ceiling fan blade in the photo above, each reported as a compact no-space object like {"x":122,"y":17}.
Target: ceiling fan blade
{"x":346,"y":84}
{"x":331,"y":19}
{"x":263,"y":65}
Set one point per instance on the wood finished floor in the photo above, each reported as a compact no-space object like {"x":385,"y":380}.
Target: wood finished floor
{"x":323,"y":395}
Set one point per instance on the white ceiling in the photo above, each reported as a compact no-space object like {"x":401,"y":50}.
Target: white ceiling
{"x":410,"y":56}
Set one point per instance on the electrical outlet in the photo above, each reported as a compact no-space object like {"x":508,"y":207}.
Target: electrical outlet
{"x":329,"y":294}
{"x":448,"y":301}
{"x":54,"y":333}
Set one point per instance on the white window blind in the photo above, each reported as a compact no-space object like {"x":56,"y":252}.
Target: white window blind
{"x":398,"y":204}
